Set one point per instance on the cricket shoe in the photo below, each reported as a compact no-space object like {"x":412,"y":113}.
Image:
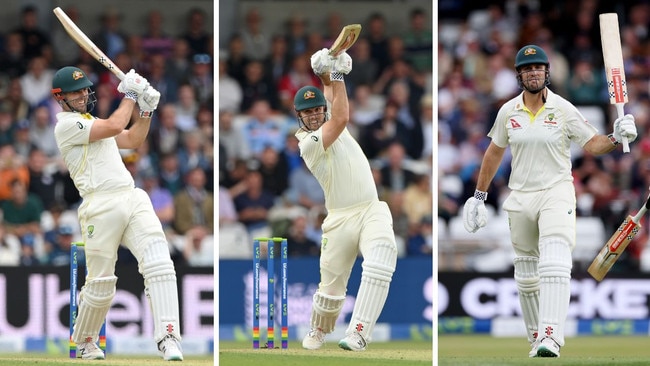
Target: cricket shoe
{"x":353,"y":342}
{"x":171,"y":349}
{"x":90,"y":351}
{"x":548,"y":348}
{"x":533,"y":350}
{"x":314,"y":339}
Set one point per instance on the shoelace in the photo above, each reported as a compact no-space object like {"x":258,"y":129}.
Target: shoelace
{"x":361,"y":341}
{"x":316,"y":334}
{"x":163,"y":345}
{"x":89,"y":348}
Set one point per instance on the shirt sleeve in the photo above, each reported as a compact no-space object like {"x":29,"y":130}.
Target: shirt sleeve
{"x":74,"y":129}
{"x":499,"y":132}
{"x":311,"y":144}
{"x":580,"y":130}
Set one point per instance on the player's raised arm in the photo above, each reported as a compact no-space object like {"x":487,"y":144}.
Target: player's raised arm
{"x":135,"y":136}
{"x":331,"y":71}
{"x":132,"y":86}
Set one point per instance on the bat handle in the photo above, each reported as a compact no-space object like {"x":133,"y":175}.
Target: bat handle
{"x":621,"y":113}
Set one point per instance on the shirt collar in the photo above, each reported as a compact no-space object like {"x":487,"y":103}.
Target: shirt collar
{"x":551,"y":98}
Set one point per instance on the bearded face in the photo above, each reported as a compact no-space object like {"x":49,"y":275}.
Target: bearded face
{"x":533,"y":78}
{"x":312,"y":119}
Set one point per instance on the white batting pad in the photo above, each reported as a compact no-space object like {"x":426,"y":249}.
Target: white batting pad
{"x":94,"y":301}
{"x":527,"y":279}
{"x":161,"y":289}
{"x":378,"y":268}
{"x":325,"y":311}
{"x":555,"y":290}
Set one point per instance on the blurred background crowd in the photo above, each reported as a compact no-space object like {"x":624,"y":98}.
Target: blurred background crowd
{"x":264,"y":187}
{"x":38,"y":201}
{"x":477,"y":44}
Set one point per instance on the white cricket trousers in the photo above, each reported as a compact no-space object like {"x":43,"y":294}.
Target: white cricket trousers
{"x":535,"y":216}
{"x":346,"y":233}
{"x":109,"y":219}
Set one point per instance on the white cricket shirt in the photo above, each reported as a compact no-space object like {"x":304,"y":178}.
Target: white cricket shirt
{"x":342,"y":170}
{"x":94,"y":166}
{"x":540,"y":144}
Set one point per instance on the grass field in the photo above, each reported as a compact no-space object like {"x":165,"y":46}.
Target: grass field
{"x":111,"y":360}
{"x":401,"y":353}
{"x":460,"y":350}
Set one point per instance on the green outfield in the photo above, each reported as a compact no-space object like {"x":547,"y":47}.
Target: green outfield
{"x":459,"y":350}
{"x":381,"y":353}
{"x":111,"y":360}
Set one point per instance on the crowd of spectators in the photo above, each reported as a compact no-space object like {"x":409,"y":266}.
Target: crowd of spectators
{"x":38,"y":200}
{"x":476,"y":48}
{"x":264,"y":187}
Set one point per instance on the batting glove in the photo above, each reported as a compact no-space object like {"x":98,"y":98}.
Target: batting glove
{"x":474,"y":212}
{"x":342,"y":64}
{"x":148,"y":102}
{"x":133,"y":82}
{"x":321,"y":62}
{"x":625,"y":127}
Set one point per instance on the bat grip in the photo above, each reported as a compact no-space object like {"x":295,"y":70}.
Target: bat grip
{"x":626,"y":145}
{"x":621,"y":113}
{"x":642,"y":211}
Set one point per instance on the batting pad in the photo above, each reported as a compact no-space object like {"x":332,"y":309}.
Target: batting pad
{"x":325,"y":311}
{"x":555,"y":290}
{"x":94,"y":301}
{"x":527,"y":279}
{"x":376,"y":276}
{"x":161,"y":289}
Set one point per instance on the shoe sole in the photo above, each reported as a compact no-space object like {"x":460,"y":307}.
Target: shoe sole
{"x":174,"y":359}
{"x":545,"y":352}
{"x":346,"y":347}
{"x":93,"y":358}
{"x":311,"y":348}
{"x":314,"y":347}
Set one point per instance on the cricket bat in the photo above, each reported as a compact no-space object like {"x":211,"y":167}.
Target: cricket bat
{"x":614,"y":68}
{"x":349,"y":34}
{"x":84,"y":42}
{"x":617,"y":244}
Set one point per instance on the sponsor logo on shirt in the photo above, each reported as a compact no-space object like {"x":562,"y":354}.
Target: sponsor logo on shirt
{"x":514,"y":124}
{"x":550,"y":121}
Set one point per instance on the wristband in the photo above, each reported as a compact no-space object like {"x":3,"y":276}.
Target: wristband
{"x":146,"y":114}
{"x":131,"y":95}
{"x":336,"y":76}
{"x":480,"y":195}
{"x":612,"y":139}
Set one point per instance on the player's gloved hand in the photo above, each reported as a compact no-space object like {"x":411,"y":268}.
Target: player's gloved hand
{"x":321,"y":62}
{"x":625,"y":127}
{"x":342,"y":64}
{"x":133,"y":82}
{"x":474,"y":212}
{"x":148,"y":101}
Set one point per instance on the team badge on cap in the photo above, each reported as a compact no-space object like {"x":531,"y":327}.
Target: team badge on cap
{"x":309,"y":95}
{"x":530,"y":51}
{"x":76,"y":75}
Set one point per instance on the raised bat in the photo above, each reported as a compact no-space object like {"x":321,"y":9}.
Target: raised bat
{"x":617,"y":244}
{"x":614,"y":67}
{"x":349,"y":34}
{"x":84,"y":42}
